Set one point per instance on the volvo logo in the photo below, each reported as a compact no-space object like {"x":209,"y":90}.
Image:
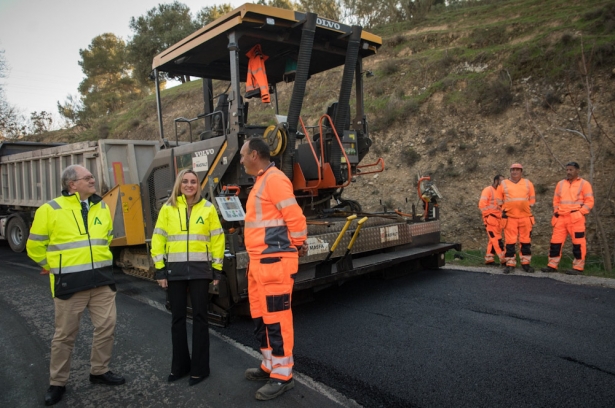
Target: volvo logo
{"x":328,"y":23}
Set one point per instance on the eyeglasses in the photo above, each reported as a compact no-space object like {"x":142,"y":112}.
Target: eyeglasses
{"x":86,"y":178}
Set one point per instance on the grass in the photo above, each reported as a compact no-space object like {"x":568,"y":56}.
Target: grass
{"x":593,"y":265}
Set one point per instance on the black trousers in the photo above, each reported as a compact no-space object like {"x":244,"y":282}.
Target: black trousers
{"x":178,"y":291}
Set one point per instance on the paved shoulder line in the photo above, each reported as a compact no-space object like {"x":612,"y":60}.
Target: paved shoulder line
{"x":562,"y":277}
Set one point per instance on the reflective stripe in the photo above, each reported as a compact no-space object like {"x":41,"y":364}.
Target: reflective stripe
{"x":54,"y":204}
{"x":507,"y":197}
{"x":208,"y":204}
{"x":43,"y":262}
{"x":217,"y":231}
{"x":160,"y":231}
{"x":282,"y":360}
{"x":183,"y":256}
{"x":110,"y":233}
{"x":190,"y":237}
{"x":36,"y":237}
{"x":218,"y":261}
{"x":103,"y":205}
{"x":285,"y":203}
{"x":298,"y":234}
{"x":78,"y":244}
{"x":258,"y":205}
{"x":266,"y":363}
{"x":81,"y":268}
{"x":158,"y":258}
{"x":278,"y":222}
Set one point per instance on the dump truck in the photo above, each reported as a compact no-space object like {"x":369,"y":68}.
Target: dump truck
{"x":321,"y":158}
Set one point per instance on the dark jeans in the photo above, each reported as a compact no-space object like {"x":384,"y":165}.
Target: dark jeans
{"x":178,"y":297}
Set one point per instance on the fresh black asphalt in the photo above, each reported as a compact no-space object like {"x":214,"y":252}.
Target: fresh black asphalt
{"x":444,"y":338}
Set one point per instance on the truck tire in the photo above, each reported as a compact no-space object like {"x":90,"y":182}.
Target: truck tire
{"x":17,"y":234}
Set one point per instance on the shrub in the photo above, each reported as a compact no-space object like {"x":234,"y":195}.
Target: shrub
{"x":510,"y":150}
{"x":410,"y":156}
{"x":541,"y":189}
{"x":551,"y":99}
{"x":389,"y":67}
{"x":494,"y":97}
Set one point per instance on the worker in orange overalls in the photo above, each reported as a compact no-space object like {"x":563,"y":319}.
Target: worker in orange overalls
{"x":572,"y":201}
{"x":256,"y":82}
{"x":516,"y":196}
{"x":492,"y":218}
{"x":275,"y":237}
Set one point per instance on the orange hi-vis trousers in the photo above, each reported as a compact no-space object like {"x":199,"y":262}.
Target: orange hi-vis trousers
{"x":521,"y":229}
{"x":572,"y":224}
{"x":494,"y":233}
{"x":270,"y":287}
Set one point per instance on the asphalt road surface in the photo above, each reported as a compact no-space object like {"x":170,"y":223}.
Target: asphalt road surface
{"x":446,"y":338}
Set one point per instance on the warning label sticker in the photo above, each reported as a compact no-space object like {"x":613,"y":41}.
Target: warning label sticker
{"x":317,"y":246}
{"x":200,"y":162}
{"x":388,"y":234}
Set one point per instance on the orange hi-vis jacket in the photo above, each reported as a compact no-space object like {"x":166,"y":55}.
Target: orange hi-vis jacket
{"x":488,"y":203}
{"x":257,"y":76}
{"x":274,"y":223}
{"x":516,"y":198}
{"x":573,"y":196}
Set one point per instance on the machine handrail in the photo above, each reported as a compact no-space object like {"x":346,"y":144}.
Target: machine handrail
{"x":339,"y":142}
{"x":379,"y":161}
{"x":318,"y":161}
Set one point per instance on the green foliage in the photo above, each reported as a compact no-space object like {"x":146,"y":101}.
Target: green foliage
{"x":161,"y":27}
{"x":208,"y":14}
{"x":108,"y":84}
{"x":283,"y":4}
{"x":11,"y":122}
{"x":328,"y":9}
{"x":371,"y":13}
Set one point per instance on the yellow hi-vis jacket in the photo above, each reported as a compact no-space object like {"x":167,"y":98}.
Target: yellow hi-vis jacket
{"x":188,"y":244}
{"x":77,"y":257}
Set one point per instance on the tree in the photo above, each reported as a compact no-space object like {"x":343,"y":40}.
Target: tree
{"x":108,"y":84}
{"x":40,"y":122}
{"x":324,"y":8}
{"x":157,"y":30}
{"x":370,"y":13}
{"x":11,"y":121}
{"x":208,"y":14}
{"x":283,"y":4}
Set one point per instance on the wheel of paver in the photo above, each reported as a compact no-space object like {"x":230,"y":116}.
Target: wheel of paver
{"x":17,"y":234}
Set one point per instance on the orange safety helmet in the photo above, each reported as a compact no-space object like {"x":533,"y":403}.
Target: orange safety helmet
{"x":516,"y":166}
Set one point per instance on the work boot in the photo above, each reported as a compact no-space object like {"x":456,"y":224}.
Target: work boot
{"x":274,"y":388}
{"x":527,"y":268}
{"x":509,"y":269}
{"x":574,"y":272}
{"x":548,"y":269}
{"x":54,"y":394}
{"x":257,"y":374}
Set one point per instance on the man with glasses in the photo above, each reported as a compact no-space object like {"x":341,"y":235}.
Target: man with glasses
{"x":70,"y":238}
{"x":516,"y":196}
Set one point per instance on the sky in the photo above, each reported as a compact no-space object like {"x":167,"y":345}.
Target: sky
{"x":41,"y":41}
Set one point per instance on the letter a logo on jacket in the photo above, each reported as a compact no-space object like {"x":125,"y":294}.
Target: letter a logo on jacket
{"x":200,"y":221}
{"x":97,"y":221}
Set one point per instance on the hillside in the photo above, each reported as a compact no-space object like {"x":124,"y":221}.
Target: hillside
{"x":460,"y":96}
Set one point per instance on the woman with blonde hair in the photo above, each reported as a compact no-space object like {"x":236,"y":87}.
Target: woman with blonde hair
{"x":188,"y":249}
